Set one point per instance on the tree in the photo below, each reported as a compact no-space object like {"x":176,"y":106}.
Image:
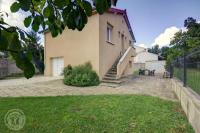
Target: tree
{"x":55,"y":15}
{"x":184,"y":42}
{"x":155,"y":49}
{"x":164,"y":50}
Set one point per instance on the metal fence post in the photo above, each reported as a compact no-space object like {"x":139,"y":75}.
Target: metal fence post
{"x":171,"y":69}
{"x":185,"y":70}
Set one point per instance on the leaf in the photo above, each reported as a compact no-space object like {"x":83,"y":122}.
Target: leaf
{"x":60,"y":3}
{"x":35,"y":27}
{"x":15,"y":42}
{"x":36,"y":23}
{"x":87,"y":7}
{"x":102,"y":5}
{"x":66,"y":12}
{"x":29,"y":70}
{"x":3,"y":41}
{"x":11,"y":29}
{"x":27,"y":21}
{"x":48,"y":11}
{"x":81,"y":20}
{"x":70,"y":21}
{"x":25,"y":4}
{"x":53,"y":30}
{"x":15,"y":7}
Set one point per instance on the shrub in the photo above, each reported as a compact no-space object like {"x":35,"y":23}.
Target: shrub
{"x":81,"y":75}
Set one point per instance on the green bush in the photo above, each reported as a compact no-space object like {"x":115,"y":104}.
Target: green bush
{"x":80,"y":76}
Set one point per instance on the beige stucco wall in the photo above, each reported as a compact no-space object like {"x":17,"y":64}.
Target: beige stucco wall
{"x":109,"y":52}
{"x":76,"y":47}
{"x":90,"y":44}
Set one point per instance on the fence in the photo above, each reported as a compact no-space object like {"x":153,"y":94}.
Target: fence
{"x":187,"y":69}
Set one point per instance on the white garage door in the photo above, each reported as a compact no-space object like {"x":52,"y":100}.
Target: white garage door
{"x":57,"y":66}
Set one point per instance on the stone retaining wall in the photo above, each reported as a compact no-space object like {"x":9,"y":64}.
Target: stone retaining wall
{"x":190,"y":102}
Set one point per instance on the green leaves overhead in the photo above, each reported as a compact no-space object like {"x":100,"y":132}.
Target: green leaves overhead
{"x":25,"y":4}
{"x":27,"y":21}
{"x":72,"y":14}
{"x":36,"y":23}
{"x":61,"y":3}
{"x":102,"y":5}
{"x":3,"y":40}
{"x":15,"y":7}
{"x":54,"y":14}
{"x":48,"y":11}
{"x":87,"y":7}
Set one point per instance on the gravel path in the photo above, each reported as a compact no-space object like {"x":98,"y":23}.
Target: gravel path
{"x":49,"y":86}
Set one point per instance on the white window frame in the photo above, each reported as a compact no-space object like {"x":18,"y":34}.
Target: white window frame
{"x":109,"y":32}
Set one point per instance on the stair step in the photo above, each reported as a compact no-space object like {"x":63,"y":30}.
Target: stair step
{"x":109,"y":78}
{"x":113,"y":69}
{"x":112,"y":72}
{"x":112,"y":81}
{"x":110,"y":75}
{"x":113,"y":85}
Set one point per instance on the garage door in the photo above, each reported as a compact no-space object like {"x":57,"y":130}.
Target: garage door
{"x":57,"y":66}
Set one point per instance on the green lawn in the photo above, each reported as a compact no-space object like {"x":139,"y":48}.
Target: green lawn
{"x":193,"y":78}
{"x":97,"y":114}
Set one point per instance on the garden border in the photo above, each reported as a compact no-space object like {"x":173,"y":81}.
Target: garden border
{"x":190,"y":102}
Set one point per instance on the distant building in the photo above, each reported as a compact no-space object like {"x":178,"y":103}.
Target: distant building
{"x":147,"y":60}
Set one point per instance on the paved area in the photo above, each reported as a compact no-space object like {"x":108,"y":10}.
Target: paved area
{"x":49,"y":86}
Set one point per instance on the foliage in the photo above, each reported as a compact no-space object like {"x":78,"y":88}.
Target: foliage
{"x":162,"y":52}
{"x":155,"y":49}
{"x":97,"y":114}
{"x":55,"y":15}
{"x":81,"y":75}
{"x":184,"y":42}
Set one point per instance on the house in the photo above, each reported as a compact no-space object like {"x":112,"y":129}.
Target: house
{"x":143,"y":55}
{"x":106,"y":42}
{"x":147,"y":60}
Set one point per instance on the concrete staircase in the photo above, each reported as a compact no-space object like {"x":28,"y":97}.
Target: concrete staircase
{"x":111,"y":75}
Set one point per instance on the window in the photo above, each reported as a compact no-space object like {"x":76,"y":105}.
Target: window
{"x":109,"y":32}
{"x":130,"y":64}
{"x":130,"y":42}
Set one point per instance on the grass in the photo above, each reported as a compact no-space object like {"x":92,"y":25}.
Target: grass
{"x":193,"y":78}
{"x":97,"y":114}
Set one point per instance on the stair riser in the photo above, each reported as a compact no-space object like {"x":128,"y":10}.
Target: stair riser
{"x":109,"y":78}
{"x":110,"y":75}
{"x":113,"y":82}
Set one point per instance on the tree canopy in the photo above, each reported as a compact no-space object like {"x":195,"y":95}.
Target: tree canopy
{"x":56,"y":15}
{"x":184,"y":41}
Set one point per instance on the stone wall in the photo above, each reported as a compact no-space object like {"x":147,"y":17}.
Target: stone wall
{"x":12,"y":68}
{"x":3,"y":68}
{"x":137,"y":66}
{"x":159,"y":66}
{"x":8,"y":68}
{"x":190,"y":102}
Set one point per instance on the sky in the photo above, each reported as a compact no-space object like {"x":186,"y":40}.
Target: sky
{"x":153,"y":21}
{"x":156,"y":21}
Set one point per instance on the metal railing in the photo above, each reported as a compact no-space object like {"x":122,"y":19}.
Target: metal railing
{"x":187,"y":69}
